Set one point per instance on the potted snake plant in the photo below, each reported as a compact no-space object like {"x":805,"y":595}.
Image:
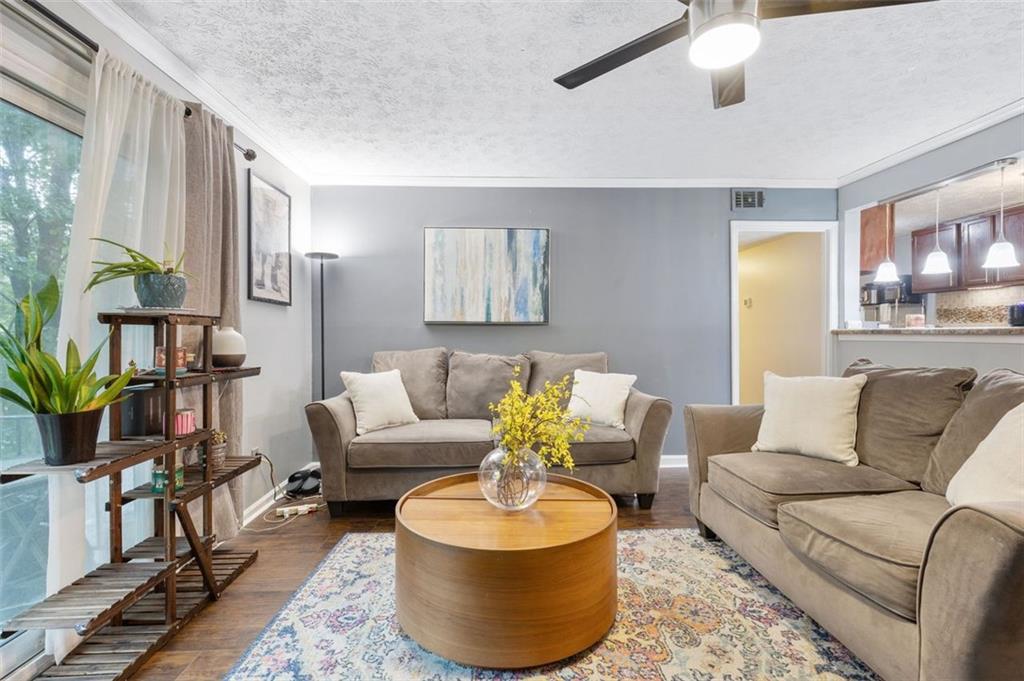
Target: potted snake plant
{"x":67,"y":401}
{"x":157,"y":284}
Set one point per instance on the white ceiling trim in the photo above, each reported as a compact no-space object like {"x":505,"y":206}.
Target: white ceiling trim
{"x":567,"y":182}
{"x":1003,"y":113}
{"x":143,"y":42}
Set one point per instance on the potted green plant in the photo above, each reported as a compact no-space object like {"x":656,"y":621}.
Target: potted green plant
{"x":67,"y":401}
{"x":156,"y":284}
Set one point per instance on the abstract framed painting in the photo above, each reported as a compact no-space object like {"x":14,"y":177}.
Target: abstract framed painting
{"x":270,"y":242}
{"x":486,"y":275}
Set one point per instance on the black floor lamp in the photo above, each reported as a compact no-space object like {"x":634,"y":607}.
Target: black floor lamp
{"x":321,"y":256}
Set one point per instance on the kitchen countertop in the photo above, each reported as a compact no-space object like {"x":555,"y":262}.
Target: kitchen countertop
{"x":936,"y":331}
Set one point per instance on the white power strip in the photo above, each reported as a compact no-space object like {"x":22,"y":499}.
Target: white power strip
{"x":301,"y":509}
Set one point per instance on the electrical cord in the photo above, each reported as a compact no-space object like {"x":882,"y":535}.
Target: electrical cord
{"x":279,"y":523}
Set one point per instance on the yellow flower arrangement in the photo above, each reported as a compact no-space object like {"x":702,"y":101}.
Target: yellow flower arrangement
{"x":538,"y":422}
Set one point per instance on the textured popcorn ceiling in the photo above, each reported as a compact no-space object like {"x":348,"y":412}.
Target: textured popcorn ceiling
{"x":464,"y":89}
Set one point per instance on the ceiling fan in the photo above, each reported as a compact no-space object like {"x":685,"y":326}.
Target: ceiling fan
{"x":723,"y":34}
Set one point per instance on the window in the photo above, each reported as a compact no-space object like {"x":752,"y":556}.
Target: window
{"x":42,"y":92}
{"x":38,"y":178}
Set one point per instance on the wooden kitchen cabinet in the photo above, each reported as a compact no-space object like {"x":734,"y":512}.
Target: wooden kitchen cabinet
{"x":876,"y":229}
{"x":976,"y":236}
{"x":1015,"y":235}
{"x":922,"y":243}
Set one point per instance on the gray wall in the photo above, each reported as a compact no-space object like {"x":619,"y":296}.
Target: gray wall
{"x":640,"y":273}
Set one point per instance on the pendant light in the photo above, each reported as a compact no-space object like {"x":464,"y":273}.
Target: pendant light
{"x":937,"y":261}
{"x":1001,"y":253}
{"x":887,"y":273}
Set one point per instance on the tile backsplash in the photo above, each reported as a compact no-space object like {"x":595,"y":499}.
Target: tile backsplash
{"x":977,"y":307}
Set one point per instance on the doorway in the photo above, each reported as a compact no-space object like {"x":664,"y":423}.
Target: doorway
{"x":784,"y":302}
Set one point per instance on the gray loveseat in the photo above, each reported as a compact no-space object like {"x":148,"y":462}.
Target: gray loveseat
{"x":917,"y":589}
{"x":449,"y":393}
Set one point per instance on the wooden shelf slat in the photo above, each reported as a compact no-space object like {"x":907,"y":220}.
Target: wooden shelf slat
{"x":193,"y":378}
{"x":195,"y":485}
{"x":192,"y":595}
{"x":153,"y":548}
{"x":111,"y":457}
{"x":144,"y":318}
{"x":93,"y":600}
{"x":113,"y":653}
{"x":193,"y":489}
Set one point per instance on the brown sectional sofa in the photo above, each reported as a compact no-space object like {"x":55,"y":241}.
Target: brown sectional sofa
{"x":450,"y":392}
{"x":916,"y":588}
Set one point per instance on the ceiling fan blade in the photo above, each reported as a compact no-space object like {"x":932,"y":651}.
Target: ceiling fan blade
{"x":776,"y":9}
{"x":728,"y":86}
{"x":625,"y":54}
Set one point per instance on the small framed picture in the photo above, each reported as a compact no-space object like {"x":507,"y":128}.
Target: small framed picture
{"x":270,"y":242}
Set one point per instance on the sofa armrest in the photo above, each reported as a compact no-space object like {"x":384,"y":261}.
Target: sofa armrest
{"x":647,"y":420}
{"x":333,"y":425}
{"x":970,"y":597}
{"x":716,"y":429}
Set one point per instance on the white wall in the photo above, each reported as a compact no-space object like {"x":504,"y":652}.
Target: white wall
{"x":278,"y":337}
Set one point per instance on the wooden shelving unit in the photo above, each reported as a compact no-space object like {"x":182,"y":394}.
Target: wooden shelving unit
{"x":131,"y":606}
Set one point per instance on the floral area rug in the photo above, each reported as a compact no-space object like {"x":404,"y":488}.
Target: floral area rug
{"x":688,"y":609}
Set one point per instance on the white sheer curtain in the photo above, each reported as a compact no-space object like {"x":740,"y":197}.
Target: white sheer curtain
{"x":131,"y":190}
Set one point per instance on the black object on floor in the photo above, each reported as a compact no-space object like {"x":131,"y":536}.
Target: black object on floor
{"x":304,"y":483}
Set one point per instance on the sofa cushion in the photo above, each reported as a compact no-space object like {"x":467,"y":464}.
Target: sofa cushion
{"x":424,"y":373}
{"x":463,"y":443}
{"x":757,"y":482}
{"x":603,"y":445}
{"x":903,"y":412}
{"x":994,"y":394}
{"x":476,"y":380}
{"x":439,"y":443}
{"x":873,"y":544}
{"x":551,"y":366}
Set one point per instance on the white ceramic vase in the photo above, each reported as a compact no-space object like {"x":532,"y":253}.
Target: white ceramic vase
{"x":228,"y":347}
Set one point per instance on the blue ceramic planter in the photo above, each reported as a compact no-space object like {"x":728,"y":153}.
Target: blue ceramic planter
{"x":160,"y":290}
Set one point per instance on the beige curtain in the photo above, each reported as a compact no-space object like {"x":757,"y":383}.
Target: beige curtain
{"x":211,"y":257}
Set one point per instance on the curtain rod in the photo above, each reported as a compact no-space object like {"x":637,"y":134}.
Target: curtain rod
{"x":247,"y":154}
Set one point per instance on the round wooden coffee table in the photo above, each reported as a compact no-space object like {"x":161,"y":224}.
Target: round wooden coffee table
{"x":489,"y":588}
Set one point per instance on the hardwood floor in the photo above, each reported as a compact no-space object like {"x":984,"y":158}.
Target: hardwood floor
{"x":208,"y":646}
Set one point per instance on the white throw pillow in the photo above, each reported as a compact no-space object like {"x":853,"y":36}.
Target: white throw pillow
{"x":995,"y":471}
{"x":600,"y":397}
{"x":379,"y":400}
{"x":811,"y":415}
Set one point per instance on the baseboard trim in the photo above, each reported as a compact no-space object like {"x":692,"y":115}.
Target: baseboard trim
{"x":257,"y":508}
{"x":261,"y":505}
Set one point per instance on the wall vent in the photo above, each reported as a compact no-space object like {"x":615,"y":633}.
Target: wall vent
{"x":747,"y":198}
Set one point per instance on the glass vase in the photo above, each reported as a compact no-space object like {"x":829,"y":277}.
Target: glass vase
{"x":512,"y":481}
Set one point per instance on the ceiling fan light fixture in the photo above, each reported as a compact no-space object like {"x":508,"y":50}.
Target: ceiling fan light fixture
{"x":723,"y":33}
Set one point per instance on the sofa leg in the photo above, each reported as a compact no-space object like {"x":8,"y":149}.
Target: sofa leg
{"x":336,"y":508}
{"x":645,"y":501}
{"x":706,"y":532}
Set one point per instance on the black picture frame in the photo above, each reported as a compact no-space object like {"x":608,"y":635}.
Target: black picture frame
{"x":257,"y":288}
